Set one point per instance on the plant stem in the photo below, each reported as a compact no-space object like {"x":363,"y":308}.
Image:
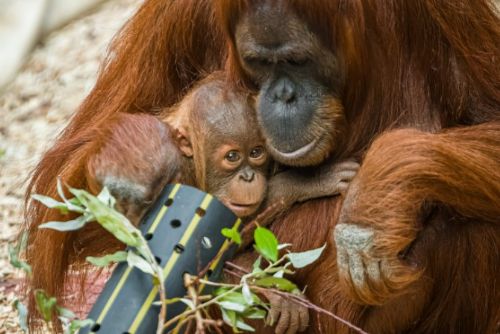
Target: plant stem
{"x":233,"y":287}
{"x":188,"y":282}
{"x":224,"y":285}
{"x":202,"y":306}
{"x":146,"y":252}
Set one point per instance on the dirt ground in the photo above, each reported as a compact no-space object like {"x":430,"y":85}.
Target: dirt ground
{"x":35,"y":108}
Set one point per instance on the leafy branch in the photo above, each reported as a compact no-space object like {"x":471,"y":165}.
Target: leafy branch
{"x":238,"y":303}
{"x":46,"y":305}
{"x":242,"y":301}
{"x":101,"y":209}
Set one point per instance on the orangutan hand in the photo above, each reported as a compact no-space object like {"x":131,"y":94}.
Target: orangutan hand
{"x":287,"y":316}
{"x":133,"y":167}
{"x":293,"y":186}
{"x":378,"y":222}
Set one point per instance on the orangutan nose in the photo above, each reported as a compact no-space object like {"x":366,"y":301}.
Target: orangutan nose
{"x":247,"y":174}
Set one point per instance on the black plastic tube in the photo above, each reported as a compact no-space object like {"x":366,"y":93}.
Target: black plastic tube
{"x":183,"y":231}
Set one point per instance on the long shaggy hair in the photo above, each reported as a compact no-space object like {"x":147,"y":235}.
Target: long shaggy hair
{"x":423,"y":64}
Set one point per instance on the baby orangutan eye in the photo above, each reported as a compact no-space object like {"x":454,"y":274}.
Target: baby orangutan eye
{"x":257,"y":152}
{"x":232,"y":156}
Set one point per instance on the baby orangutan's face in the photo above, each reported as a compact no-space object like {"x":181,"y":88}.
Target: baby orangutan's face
{"x":240,"y":176}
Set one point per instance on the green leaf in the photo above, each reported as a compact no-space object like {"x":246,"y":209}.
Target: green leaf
{"x":232,"y":234}
{"x":188,"y":302}
{"x":137,"y":261}
{"x":266,"y":243}
{"x":279,"y":274}
{"x":73,"y":204}
{"x":247,"y":294}
{"x":51,"y":203}
{"x":70,"y":225}
{"x":236,"y":322}
{"x":77,"y":324}
{"x":106,"y":197}
{"x":14,"y":259}
{"x":232,"y":306}
{"x":255,"y":313}
{"x":45,"y":304}
{"x":229,"y":318}
{"x":106,"y":260}
{"x":60,"y":189}
{"x":256,"y":266}
{"x":278,"y":283}
{"x":65,"y":313}
{"x":169,"y":301}
{"x":234,"y":297}
{"x":220,"y":291}
{"x":240,"y":324}
{"x":303,"y":259}
{"x":110,"y":219}
{"x":23,"y":315}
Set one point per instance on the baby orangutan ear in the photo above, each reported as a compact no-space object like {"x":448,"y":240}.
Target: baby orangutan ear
{"x":183,"y":141}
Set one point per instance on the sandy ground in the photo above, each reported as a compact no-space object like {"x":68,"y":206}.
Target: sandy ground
{"x":34,"y":109}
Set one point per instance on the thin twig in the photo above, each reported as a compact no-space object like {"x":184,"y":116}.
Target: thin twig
{"x":182,"y":323}
{"x":201,"y":306}
{"x":221,"y":252}
{"x":189,"y":284}
{"x":235,"y":266}
{"x":148,"y":254}
{"x":230,"y":272}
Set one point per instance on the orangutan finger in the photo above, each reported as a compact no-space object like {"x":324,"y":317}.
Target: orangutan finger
{"x":293,"y":326}
{"x":304,"y":318}
{"x":284,"y":321}
{"x":274,"y":313}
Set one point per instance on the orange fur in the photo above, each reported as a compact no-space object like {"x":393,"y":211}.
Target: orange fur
{"x":421,"y":64}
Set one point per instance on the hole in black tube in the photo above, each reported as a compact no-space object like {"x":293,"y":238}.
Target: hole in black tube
{"x":200,"y":212}
{"x":175,"y":223}
{"x":148,"y":236}
{"x":169,"y":202}
{"x":95,"y":328}
{"x":158,"y":259}
{"x":179,"y":248}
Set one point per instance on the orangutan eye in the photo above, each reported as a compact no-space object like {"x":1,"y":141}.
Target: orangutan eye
{"x":232,"y":156}
{"x":257,"y":152}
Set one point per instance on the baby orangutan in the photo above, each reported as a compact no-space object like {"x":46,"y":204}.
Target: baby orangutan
{"x":210,"y":140}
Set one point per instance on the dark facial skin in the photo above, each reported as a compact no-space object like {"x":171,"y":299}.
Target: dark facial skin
{"x":298,"y":80}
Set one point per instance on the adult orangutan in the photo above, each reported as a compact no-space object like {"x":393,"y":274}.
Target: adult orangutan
{"x":418,"y":235}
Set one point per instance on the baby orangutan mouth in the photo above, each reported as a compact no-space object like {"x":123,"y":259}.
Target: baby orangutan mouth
{"x":242,"y":210}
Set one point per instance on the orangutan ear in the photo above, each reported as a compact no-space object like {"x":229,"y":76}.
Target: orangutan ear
{"x":184,"y":142}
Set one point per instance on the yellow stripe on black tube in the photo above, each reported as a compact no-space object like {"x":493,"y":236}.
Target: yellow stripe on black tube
{"x":175,"y":227}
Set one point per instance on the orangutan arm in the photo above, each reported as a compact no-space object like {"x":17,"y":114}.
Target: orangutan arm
{"x":299,"y":185}
{"x":134,"y":158}
{"x":405,"y":172}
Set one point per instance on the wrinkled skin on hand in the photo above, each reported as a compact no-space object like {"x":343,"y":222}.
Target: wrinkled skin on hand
{"x":287,"y":317}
